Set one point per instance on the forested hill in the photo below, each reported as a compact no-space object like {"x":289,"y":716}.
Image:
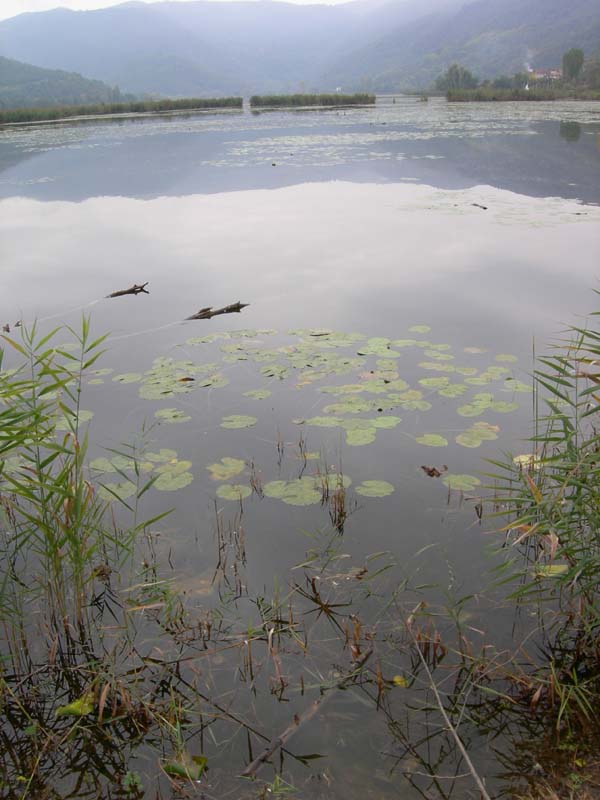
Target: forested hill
{"x":204,"y":48}
{"x":23,"y":85}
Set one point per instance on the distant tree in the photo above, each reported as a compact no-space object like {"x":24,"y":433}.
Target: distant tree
{"x":503,"y":82}
{"x":456,"y":77}
{"x":572,"y":63}
{"x":520,"y":80}
{"x":591,"y":73}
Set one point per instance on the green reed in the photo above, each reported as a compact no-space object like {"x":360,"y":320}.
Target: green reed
{"x":296,"y":100}
{"x":552,"y":498}
{"x":135,"y":107}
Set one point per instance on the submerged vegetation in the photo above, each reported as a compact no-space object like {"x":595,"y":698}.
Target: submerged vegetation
{"x":296,"y":100}
{"x":135,"y":107}
{"x":119,"y":677}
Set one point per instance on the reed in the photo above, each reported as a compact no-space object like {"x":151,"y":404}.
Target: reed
{"x":298,"y":100}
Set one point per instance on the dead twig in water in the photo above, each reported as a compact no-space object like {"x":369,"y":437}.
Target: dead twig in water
{"x":208,"y":312}
{"x":299,"y":720}
{"x":438,"y":701}
{"x":135,"y":289}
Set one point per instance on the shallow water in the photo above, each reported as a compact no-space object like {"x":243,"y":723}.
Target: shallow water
{"x":478,"y":224}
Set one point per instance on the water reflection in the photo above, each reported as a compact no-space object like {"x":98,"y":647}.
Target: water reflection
{"x":449,"y":146}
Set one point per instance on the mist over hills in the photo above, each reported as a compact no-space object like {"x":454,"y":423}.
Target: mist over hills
{"x":211,"y":48}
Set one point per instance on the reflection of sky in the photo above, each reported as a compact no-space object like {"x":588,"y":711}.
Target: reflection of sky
{"x":451,"y":146}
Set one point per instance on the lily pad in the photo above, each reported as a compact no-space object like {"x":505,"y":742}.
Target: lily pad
{"x":65,"y":423}
{"x":463,"y":483}
{"x":235,"y":421}
{"x":171,"y":481}
{"x":432,"y":440}
{"x":374,"y":489}
{"x":299,"y":492}
{"x":171,"y":415}
{"x":419,"y":329}
{"x":120,"y":491}
{"x":128,"y":377}
{"x":233,"y":492}
{"x":477,"y":433}
{"x":506,"y":357}
{"x":258,"y":394}
{"x":226,"y":468}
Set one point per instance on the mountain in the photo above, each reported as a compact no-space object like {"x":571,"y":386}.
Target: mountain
{"x":204,"y":48}
{"x":489,"y":37}
{"x":23,"y":85}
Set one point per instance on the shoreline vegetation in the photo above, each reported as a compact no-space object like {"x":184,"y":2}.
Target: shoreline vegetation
{"x":137,"y":107}
{"x":297,"y":100}
{"x":489,"y":94}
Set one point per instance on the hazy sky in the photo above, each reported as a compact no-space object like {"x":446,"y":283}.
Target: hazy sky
{"x":10,"y":8}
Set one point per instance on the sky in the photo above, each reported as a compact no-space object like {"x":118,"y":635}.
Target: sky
{"x":10,"y":8}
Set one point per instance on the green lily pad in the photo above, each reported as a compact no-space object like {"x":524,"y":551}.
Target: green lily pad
{"x":438,"y":356}
{"x":361,"y":437}
{"x":432,"y":440}
{"x":505,"y":357}
{"x":512,"y":385}
{"x":162,"y":456}
{"x":95,"y":381}
{"x":476,"y":434}
{"x":171,"y":415}
{"x":190,"y":768}
{"x":374,"y":489}
{"x":233,"y":492}
{"x":299,"y":492}
{"x":453,"y":390}
{"x":435,"y":383}
{"x":226,"y":468}
{"x":438,"y":366}
{"x":122,"y":491}
{"x":463,"y":483}
{"x":258,"y":394}
{"x":171,"y":481}
{"x":65,"y":423}
{"x":419,"y":329}
{"x":128,"y":377}
{"x":235,"y":421}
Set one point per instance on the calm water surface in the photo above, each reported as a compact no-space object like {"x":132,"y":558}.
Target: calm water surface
{"x":478,"y":224}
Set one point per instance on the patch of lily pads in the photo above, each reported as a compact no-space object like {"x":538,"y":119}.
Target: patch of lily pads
{"x":168,"y":472}
{"x":374,"y":489}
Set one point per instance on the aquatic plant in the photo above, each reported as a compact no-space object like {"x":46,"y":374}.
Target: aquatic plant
{"x":296,"y":100}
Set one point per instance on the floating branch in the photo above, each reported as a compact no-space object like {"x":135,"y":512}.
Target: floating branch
{"x":135,"y":289}
{"x":208,"y":312}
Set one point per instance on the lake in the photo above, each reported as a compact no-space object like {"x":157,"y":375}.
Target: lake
{"x":401,"y":265}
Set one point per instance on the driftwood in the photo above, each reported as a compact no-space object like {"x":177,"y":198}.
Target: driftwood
{"x":135,"y":289}
{"x":208,"y":312}
{"x":308,"y":714}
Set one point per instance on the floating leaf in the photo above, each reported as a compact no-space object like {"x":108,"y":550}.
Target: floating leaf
{"x":226,"y":468}
{"x":477,"y":433}
{"x":453,"y":390}
{"x":81,"y":707}
{"x":361,"y":437}
{"x":128,"y":377}
{"x":419,"y":329}
{"x":162,"y":456}
{"x":233,"y":492}
{"x":299,"y":492}
{"x":506,"y":358}
{"x":172,"y":481}
{"x":171,"y":415}
{"x":512,"y":385}
{"x":374,"y":489}
{"x":189,"y":767}
{"x":120,"y":491}
{"x":463,"y":483}
{"x":65,"y":423}
{"x":432,"y":440}
{"x":235,"y":421}
{"x":527,"y":461}
{"x":399,"y":680}
{"x":258,"y":394}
